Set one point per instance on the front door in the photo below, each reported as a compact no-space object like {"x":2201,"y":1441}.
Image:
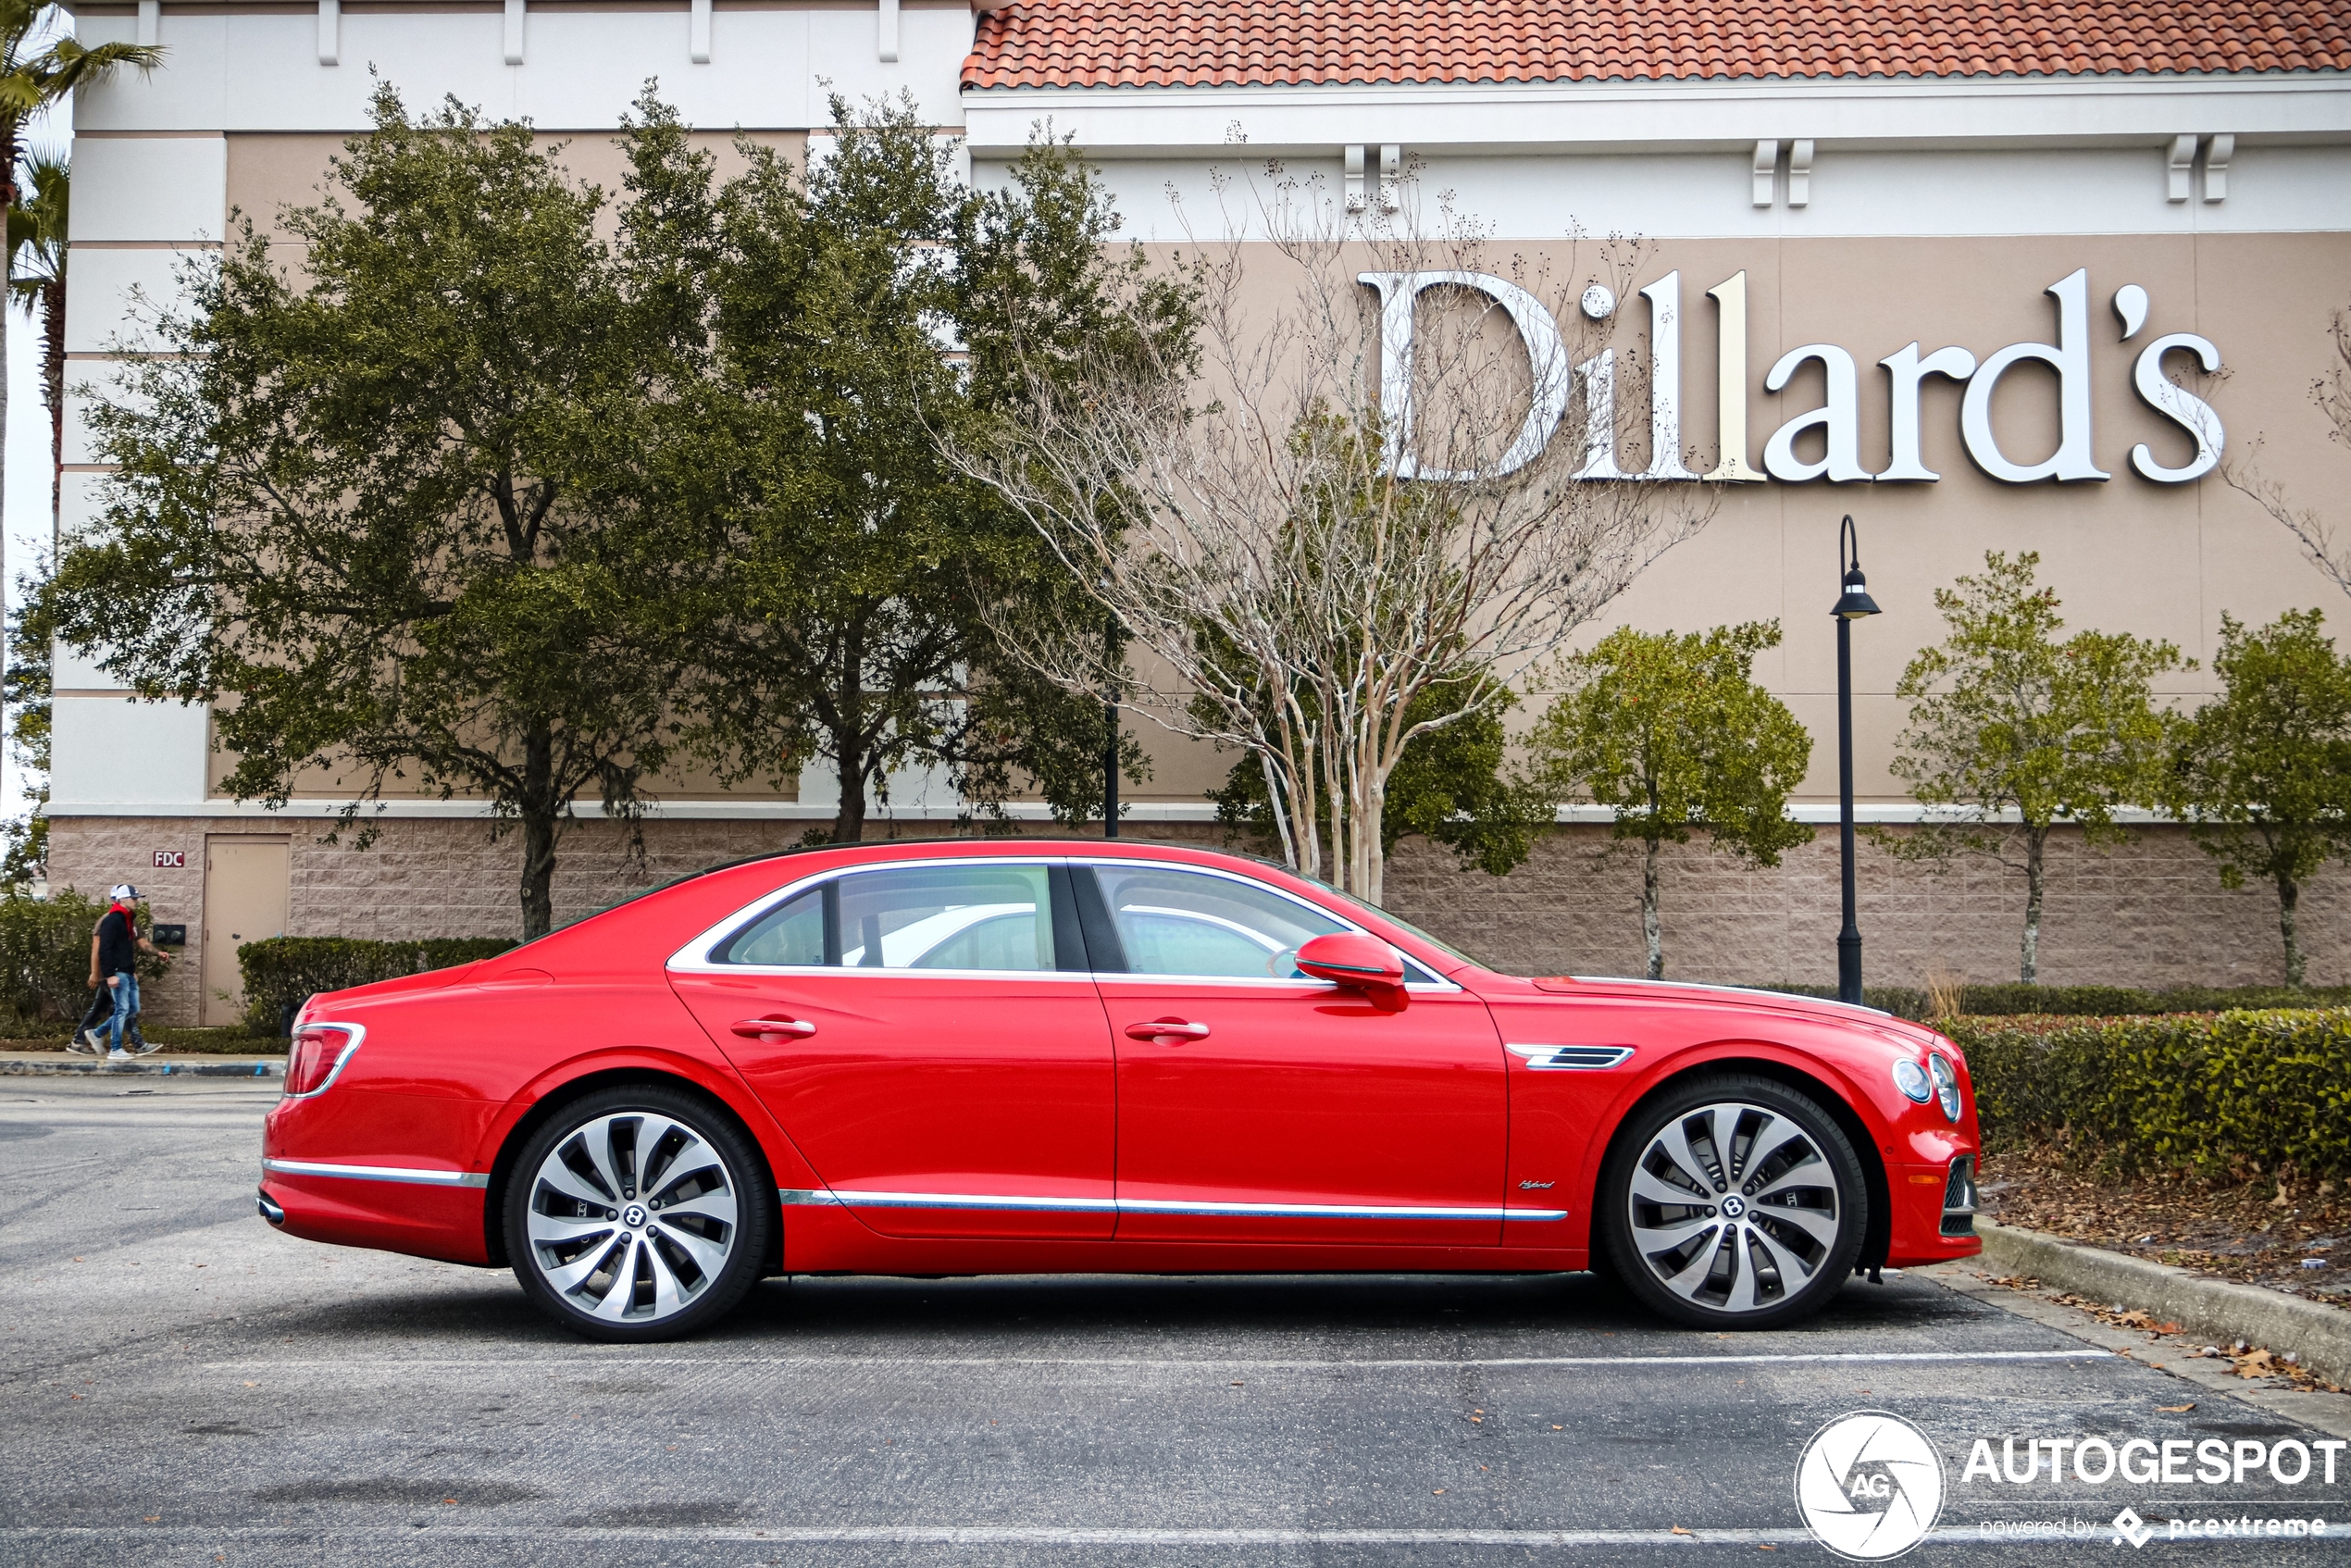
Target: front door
{"x":927,"y":1036}
{"x":1257,"y":1105}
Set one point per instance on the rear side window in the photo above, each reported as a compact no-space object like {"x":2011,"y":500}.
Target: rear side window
{"x":965,"y":916}
{"x":947,"y":917}
{"x":791,"y":934}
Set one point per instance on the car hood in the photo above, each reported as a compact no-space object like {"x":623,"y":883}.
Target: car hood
{"x":1728,"y":998}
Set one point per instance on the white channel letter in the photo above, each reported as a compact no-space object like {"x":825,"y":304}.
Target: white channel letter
{"x":1665,"y":379}
{"x":1547,"y":357}
{"x":1730,"y":389}
{"x":2181,"y":406}
{"x":1907,"y":370}
{"x":1596,"y":376}
{"x":2070,"y":356}
{"x":1840,"y":419}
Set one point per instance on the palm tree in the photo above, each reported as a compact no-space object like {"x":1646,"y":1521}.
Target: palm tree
{"x":37,"y":278}
{"x":39,"y":65}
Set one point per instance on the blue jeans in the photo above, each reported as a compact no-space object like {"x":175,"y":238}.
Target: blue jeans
{"x":126,"y":1003}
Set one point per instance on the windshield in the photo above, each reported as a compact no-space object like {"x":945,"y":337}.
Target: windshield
{"x":1394,"y":920}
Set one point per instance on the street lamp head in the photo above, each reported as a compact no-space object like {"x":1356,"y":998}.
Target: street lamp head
{"x":1855,"y":600}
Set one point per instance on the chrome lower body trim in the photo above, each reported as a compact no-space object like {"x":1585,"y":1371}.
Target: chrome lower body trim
{"x":854,"y":1198}
{"x":377,"y":1173}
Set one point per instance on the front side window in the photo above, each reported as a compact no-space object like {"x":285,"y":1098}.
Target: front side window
{"x":1172,"y":922}
{"x":967,"y":916}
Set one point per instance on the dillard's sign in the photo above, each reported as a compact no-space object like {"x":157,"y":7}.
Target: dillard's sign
{"x":1556,"y":382}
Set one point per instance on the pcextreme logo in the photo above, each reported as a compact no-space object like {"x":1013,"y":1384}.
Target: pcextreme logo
{"x":1868,"y":1485}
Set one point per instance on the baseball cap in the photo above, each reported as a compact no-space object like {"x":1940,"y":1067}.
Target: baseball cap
{"x":123,"y":892}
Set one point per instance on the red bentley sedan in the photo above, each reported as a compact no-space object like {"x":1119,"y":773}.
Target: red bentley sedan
{"x":1053,"y":1056}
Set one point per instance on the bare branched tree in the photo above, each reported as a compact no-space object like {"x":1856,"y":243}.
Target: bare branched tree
{"x":2328,"y":551}
{"x":1392,"y":465}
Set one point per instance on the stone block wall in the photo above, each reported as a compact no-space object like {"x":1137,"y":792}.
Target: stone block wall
{"x":2148,"y":913}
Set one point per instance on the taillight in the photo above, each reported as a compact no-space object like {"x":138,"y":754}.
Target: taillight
{"x":319,"y":1051}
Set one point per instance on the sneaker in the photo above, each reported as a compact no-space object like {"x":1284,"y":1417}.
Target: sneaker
{"x":98,"y":1038}
{"x":141,"y":1048}
{"x":81,"y":1045}
{"x":119,"y":1054}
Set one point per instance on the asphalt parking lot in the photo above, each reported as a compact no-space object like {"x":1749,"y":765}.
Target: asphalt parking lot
{"x":184,"y":1384}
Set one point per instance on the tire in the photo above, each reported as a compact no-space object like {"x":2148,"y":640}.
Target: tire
{"x":1763,"y":1245}
{"x":702,"y":1231}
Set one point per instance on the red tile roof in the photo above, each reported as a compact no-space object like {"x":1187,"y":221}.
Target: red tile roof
{"x":1269,"y":43}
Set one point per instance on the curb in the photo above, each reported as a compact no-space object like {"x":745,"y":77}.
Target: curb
{"x":141,"y":1069}
{"x":2220,"y":1310}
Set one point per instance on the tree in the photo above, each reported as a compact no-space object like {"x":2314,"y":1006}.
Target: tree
{"x":2332,"y":393}
{"x":40,"y":64}
{"x":1450,"y":787}
{"x":860,"y":566}
{"x":1299,"y":545}
{"x":1673,"y":733}
{"x":2012,"y":731}
{"x":25,"y":693}
{"x":37,"y":229}
{"x":373,"y":520}
{"x":2263,"y":772}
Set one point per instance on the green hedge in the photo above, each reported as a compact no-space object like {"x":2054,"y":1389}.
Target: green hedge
{"x":282,"y":973}
{"x":2227,"y":1094}
{"x":44,"y":959}
{"x":2087,"y":1001}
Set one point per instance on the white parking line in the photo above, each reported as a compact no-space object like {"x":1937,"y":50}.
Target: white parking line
{"x":1018,"y":1535}
{"x":2084,"y":1352}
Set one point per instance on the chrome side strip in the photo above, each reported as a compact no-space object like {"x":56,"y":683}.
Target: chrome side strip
{"x":857,"y":1199}
{"x":377,"y":1173}
{"x":852,"y":1199}
{"x":1584,"y":1057}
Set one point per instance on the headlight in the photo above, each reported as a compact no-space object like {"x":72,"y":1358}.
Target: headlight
{"x":1911,"y":1078}
{"x":1946,"y":1084}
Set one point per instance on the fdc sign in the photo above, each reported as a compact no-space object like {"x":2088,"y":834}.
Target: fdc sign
{"x":1557,"y":381}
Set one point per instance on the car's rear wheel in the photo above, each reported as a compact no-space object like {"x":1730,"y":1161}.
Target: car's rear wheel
{"x":638,"y":1214}
{"x":1733,"y":1201}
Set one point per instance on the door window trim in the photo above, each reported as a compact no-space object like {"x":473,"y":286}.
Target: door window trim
{"x":694,"y":958}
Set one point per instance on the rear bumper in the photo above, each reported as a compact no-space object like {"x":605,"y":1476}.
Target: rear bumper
{"x":437,"y":1220}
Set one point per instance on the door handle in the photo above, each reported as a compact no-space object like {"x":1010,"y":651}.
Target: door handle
{"x":763,"y":1028}
{"x":1167,"y":1029}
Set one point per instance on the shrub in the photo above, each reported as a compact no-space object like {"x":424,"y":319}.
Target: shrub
{"x":44,"y":957}
{"x":2215,"y":1094}
{"x":282,"y":973}
{"x":2087,"y":1001}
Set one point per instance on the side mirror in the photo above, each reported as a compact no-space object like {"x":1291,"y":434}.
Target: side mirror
{"x":1351,"y":959}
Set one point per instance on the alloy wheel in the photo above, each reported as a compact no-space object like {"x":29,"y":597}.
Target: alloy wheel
{"x":632,"y":1216}
{"x":1734,"y":1207}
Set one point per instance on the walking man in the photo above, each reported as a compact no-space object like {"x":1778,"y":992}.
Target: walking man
{"x":117,"y":954}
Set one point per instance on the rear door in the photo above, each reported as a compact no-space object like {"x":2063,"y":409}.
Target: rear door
{"x":927,"y":1036}
{"x":1255,"y":1104}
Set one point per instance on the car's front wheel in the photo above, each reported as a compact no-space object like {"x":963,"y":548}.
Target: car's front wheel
{"x":1733,"y":1201}
{"x":637,"y":1213}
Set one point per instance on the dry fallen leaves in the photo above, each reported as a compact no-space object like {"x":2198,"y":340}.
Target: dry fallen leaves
{"x":2177,"y":1410}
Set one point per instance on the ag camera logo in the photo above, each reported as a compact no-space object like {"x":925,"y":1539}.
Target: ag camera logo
{"x":1868,"y":1485}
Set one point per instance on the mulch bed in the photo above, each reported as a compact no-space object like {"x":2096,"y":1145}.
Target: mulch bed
{"x":2259,"y":1230}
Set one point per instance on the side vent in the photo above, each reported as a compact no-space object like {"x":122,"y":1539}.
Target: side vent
{"x":1586,"y":1058}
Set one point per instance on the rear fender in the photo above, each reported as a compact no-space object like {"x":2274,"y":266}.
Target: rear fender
{"x":546,"y":1093}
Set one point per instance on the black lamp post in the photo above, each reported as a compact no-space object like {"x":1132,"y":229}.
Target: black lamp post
{"x":1852,"y":603}
{"x":1110,"y":722}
